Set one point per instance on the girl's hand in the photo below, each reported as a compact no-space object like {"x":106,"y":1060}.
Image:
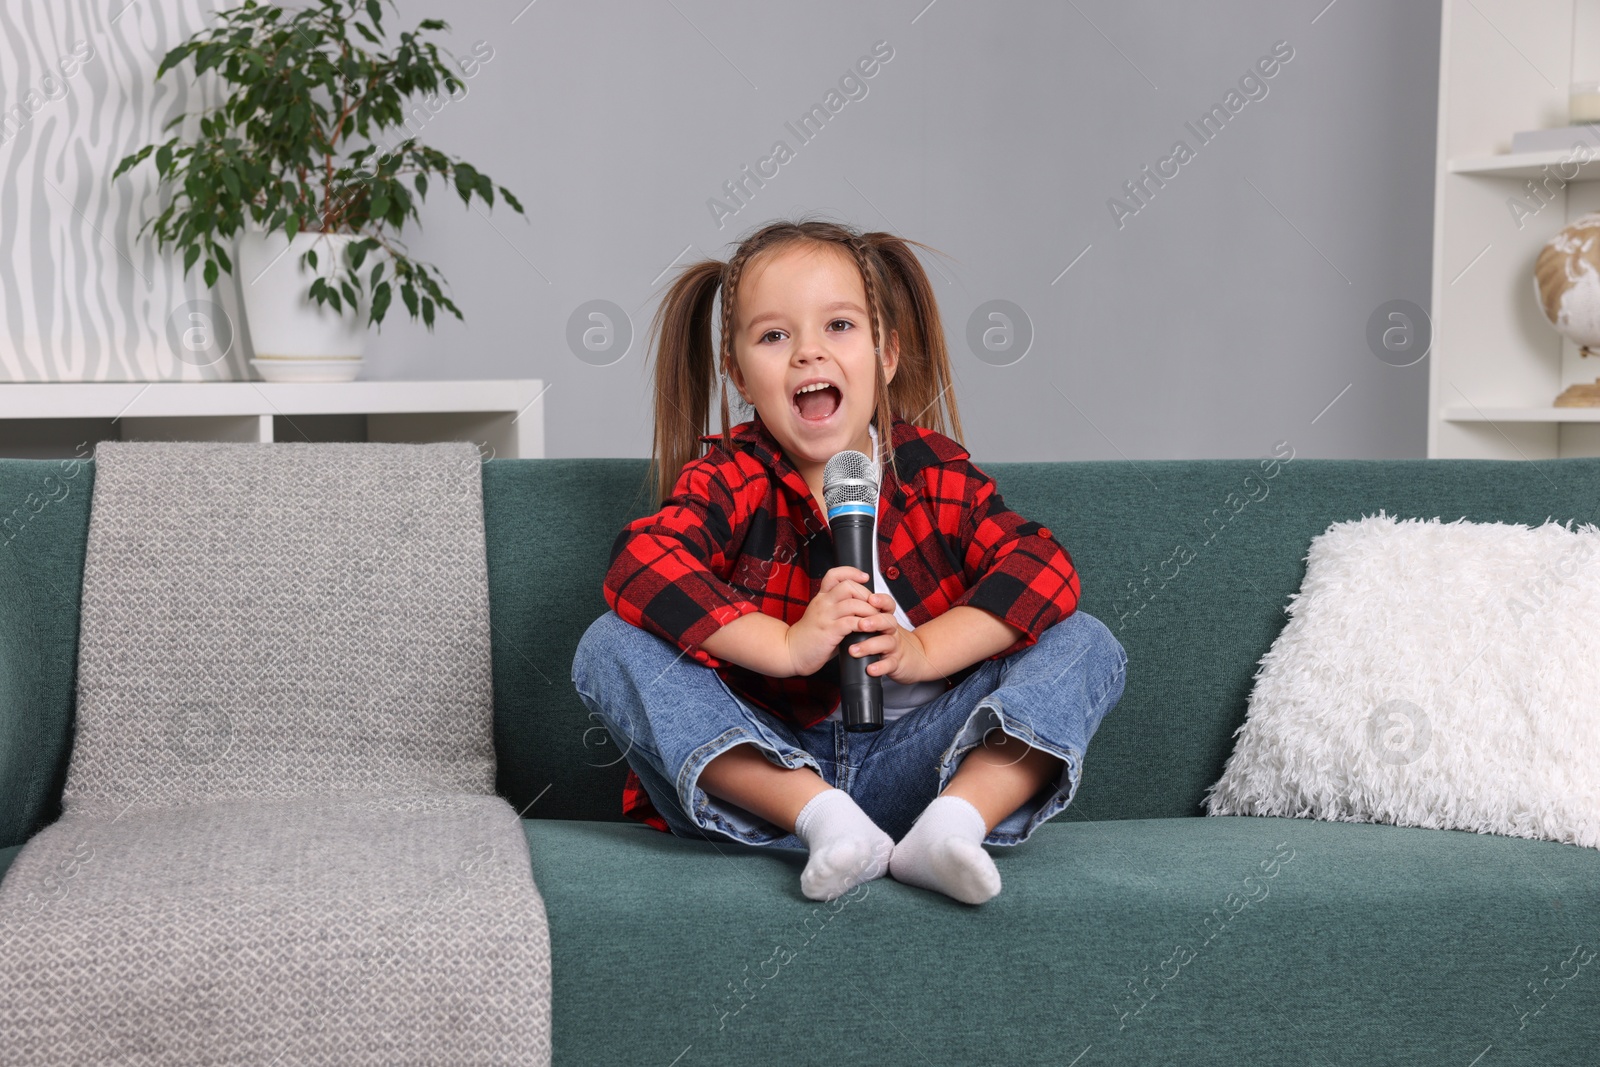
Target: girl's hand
{"x":841,"y":607}
{"x":902,"y":656}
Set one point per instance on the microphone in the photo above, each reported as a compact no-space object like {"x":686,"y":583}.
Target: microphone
{"x":850,"y":494}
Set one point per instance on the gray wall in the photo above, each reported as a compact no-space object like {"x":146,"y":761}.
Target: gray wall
{"x":1224,"y":316}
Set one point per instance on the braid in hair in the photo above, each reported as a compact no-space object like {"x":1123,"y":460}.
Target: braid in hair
{"x":881,"y":412}
{"x":730,"y":294}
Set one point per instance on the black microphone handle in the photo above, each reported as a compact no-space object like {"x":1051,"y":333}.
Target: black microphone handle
{"x":860,"y":693}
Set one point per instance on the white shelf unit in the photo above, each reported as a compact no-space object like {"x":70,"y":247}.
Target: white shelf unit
{"x":1496,"y":364}
{"x":505,"y":418}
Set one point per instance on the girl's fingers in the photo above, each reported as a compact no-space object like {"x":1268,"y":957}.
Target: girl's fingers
{"x":875,"y":622}
{"x":851,"y":623}
{"x":833,"y":580}
{"x":852,"y":590}
{"x":881,"y":645}
{"x":858,"y":608}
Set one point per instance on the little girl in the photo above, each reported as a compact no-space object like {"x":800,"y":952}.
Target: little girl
{"x":716,"y":669}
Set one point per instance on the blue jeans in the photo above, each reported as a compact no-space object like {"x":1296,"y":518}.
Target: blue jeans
{"x":670,"y":716}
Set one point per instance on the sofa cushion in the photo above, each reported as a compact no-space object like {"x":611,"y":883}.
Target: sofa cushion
{"x":1434,"y":674}
{"x":1354,"y":944}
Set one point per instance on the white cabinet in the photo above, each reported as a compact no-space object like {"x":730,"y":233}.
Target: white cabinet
{"x":504,"y":418}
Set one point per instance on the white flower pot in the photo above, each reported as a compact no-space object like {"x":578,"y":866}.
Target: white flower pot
{"x":294,"y":337}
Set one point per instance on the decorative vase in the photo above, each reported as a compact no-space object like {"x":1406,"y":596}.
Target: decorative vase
{"x":295,"y":338}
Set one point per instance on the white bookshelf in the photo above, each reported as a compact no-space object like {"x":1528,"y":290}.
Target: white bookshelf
{"x":1463,"y":413}
{"x":1495,"y":363}
{"x":504,"y":417}
{"x":1529,"y":165}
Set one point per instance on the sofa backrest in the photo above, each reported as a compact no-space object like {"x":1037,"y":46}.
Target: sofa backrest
{"x":1189,"y":562}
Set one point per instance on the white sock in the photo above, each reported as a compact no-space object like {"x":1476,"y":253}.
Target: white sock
{"x":847,"y":847}
{"x":943,"y":850}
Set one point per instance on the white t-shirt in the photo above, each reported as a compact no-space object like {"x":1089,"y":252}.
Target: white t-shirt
{"x":897,"y":699}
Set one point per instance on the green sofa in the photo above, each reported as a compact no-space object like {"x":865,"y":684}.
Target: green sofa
{"x":1131,"y":929}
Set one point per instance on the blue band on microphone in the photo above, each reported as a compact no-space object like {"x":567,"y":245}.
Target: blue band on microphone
{"x":854,"y":507}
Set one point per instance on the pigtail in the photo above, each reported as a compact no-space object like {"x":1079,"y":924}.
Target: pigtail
{"x":923,"y":387}
{"x":730,"y":290}
{"x":685,"y":367}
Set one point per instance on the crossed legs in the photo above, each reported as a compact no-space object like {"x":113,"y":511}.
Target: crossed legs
{"x":991,"y":777}
{"x":943,"y":851}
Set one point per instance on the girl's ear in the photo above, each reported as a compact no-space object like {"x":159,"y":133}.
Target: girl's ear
{"x":891,"y":358}
{"x":737,"y":378}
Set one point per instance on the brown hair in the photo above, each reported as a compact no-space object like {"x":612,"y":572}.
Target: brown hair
{"x":687,"y":368}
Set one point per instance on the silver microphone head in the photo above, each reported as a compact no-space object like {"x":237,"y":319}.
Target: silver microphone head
{"x":849,"y":478}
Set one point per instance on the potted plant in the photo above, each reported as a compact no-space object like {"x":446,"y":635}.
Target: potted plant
{"x":294,"y":157}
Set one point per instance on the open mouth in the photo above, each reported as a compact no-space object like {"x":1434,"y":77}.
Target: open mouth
{"x":817,"y":405}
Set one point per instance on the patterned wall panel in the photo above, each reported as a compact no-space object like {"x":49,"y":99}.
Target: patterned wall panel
{"x":84,"y":296}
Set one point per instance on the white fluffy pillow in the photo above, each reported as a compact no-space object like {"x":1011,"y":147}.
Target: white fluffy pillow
{"x":1432,"y":674}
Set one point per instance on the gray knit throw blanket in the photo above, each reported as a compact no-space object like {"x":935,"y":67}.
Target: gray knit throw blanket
{"x":280,"y":841}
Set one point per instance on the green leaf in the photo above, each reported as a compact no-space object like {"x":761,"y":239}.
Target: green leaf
{"x":349,"y":293}
{"x":427,"y":312}
{"x":164,"y":159}
{"x":408,"y":293}
{"x":377,"y":275}
{"x":375,"y":13}
{"x":311,"y":258}
{"x":211,"y":273}
{"x":231,"y":180}
{"x":227,"y":264}
{"x":173,"y":58}
{"x":421,"y":182}
{"x":380,"y":301}
{"x":190,"y":254}
{"x":466,"y":180}
{"x":132,"y":161}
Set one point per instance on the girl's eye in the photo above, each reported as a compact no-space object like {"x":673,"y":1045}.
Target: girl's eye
{"x":763,"y":338}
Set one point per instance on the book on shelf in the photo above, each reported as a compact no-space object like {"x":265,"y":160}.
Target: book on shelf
{"x":1559,"y":137}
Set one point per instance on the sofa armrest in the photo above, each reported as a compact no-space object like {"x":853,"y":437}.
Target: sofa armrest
{"x":44,"y":528}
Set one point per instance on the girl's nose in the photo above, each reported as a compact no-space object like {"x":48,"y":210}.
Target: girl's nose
{"x":810,"y":349}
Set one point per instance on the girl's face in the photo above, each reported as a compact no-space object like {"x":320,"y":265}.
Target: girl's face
{"x":802,"y":319}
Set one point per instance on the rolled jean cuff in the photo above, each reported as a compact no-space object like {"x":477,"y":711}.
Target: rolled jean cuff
{"x":1020,"y":824}
{"x":713,"y":813}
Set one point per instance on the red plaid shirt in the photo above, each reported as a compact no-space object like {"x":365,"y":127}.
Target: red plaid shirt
{"x":742,"y":533}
